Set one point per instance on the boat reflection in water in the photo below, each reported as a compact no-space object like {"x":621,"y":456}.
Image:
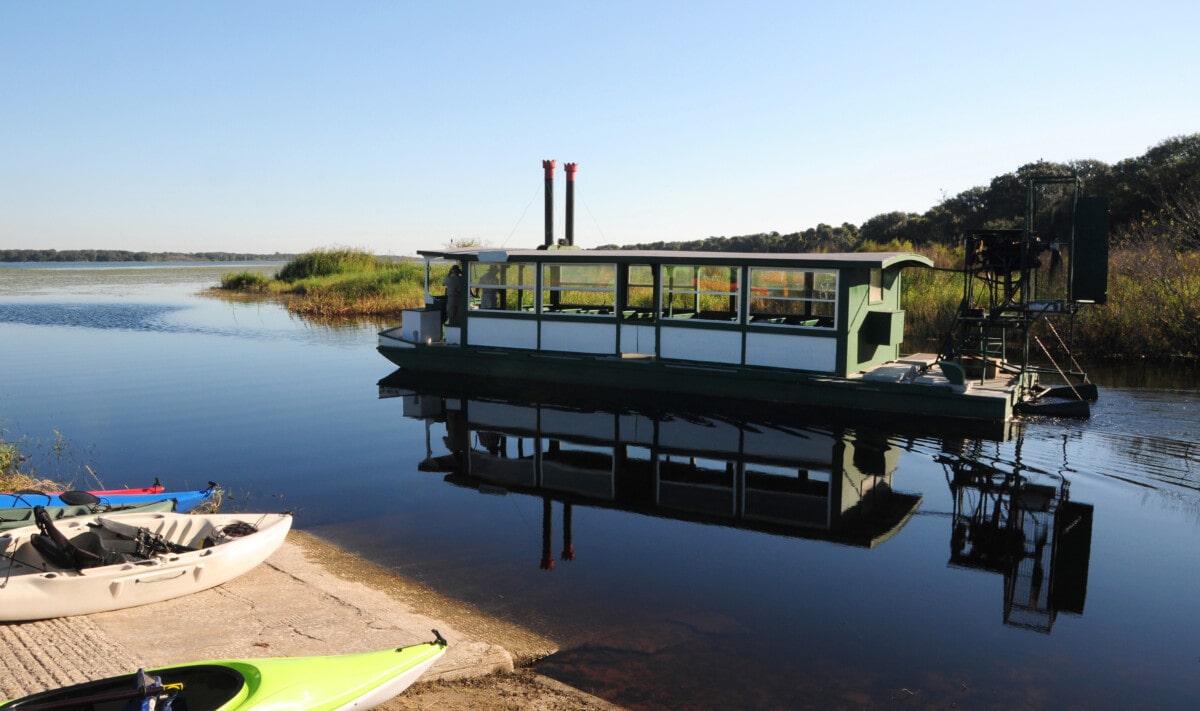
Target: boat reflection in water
{"x":1023,"y":525}
{"x":778,"y":479}
{"x":678,"y":461}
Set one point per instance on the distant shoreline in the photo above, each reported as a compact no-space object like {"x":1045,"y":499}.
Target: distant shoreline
{"x":141,"y":265}
{"x":102,"y":256}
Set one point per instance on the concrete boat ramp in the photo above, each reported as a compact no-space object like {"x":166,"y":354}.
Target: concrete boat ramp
{"x":309,"y":598}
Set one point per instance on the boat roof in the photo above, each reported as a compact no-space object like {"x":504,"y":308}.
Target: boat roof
{"x":559,"y":255}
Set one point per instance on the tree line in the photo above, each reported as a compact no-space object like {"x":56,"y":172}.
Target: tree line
{"x":120,"y":255}
{"x":1155,"y":196}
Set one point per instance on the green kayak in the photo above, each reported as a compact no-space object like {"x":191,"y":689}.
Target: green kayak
{"x":345,"y":681}
{"x":18,"y":517}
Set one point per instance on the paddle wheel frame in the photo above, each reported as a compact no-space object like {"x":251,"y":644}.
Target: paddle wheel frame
{"x":1016,"y":279}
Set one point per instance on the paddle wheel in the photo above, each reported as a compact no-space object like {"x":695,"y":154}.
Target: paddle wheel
{"x":1019,"y":281}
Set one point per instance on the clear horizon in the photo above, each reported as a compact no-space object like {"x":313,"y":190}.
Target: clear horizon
{"x":290,"y":126}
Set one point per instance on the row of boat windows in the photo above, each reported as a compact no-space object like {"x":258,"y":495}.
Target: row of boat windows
{"x":667,"y":467}
{"x":785,"y":296}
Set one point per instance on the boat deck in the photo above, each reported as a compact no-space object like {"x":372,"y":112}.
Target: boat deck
{"x":920,"y":369}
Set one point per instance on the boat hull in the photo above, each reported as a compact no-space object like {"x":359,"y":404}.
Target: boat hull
{"x":325,"y":683}
{"x":33,"y":588}
{"x":929,"y":396}
{"x":184,"y":500}
{"x":23,"y":516}
{"x":155,"y":489}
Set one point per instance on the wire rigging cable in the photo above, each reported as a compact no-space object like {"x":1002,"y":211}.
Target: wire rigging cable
{"x":519,"y":220}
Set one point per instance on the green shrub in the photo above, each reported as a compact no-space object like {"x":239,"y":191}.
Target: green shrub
{"x":245,"y":281}
{"x":327,"y":262}
{"x":9,"y":458}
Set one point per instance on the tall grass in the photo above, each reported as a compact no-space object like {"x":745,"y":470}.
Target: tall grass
{"x":330,"y":262}
{"x":377,"y":292}
{"x":1153,"y":309}
{"x":15,"y":472}
{"x":10,"y":457}
{"x":338,"y":283}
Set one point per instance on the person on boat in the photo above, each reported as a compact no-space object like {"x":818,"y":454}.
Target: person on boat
{"x":489,"y":295}
{"x":454,"y":295}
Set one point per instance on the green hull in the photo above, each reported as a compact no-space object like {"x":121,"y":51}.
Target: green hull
{"x":728,"y":382}
{"x":23,"y":516}
{"x":301,"y":683}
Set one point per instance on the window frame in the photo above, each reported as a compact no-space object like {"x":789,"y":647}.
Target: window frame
{"x":815,"y":301}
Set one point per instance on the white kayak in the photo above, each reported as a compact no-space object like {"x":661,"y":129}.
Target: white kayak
{"x":107,"y":562}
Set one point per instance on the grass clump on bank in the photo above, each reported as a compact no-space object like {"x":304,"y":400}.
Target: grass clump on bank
{"x":338,"y":283}
{"x":12,"y":478}
{"x":246,"y":281}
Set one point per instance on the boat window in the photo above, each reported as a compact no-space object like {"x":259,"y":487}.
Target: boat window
{"x":639,"y":292}
{"x":579,"y":289}
{"x":704,"y":292}
{"x":876,"y":289}
{"x":503,"y":287}
{"x":793,"y":297}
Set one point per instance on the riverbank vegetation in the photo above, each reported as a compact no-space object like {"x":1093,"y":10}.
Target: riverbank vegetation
{"x":1154,"y":258}
{"x":338,"y":282}
{"x":1153,"y":309}
{"x":15,"y":472}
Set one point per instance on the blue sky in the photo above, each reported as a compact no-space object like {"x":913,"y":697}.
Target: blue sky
{"x":263,"y":126}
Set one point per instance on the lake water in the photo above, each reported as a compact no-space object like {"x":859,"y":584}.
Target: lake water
{"x":681,"y":556}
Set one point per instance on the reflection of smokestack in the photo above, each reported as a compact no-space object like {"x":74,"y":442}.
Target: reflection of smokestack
{"x":568,"y":546}
{"x":548,"y":166}
{"x":570,"y":233}
{"x":547,"y":526}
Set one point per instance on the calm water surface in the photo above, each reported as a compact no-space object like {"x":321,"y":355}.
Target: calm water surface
{"x":681,"y":557}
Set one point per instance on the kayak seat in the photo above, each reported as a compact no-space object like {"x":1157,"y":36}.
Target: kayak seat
{"x":104,"y":552}
{"x":84,"y":551}
{"x":51,"y":552}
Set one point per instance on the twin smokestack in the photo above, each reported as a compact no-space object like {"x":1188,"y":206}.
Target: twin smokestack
{"x":548,"y":167}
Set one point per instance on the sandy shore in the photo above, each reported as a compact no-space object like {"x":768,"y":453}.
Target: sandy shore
{"x":309,"y":598}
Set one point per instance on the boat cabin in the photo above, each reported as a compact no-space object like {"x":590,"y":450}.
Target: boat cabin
{"x":832,"y":314}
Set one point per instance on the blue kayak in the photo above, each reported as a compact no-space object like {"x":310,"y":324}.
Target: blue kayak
{"x":184,"y":500}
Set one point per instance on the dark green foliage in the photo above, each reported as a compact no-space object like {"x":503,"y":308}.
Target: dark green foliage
{"x":245,"y":281}
{"x":822,"y":238}
{"x":328,"y":262}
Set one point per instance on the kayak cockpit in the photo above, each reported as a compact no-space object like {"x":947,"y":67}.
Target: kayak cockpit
{"x":203,"y":687}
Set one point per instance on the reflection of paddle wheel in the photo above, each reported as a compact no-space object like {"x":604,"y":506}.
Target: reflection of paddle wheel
{"x":1028,"y":531}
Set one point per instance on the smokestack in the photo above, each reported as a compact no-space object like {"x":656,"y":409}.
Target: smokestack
{"x":570,"y":234}
{"x":548,"y":166}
